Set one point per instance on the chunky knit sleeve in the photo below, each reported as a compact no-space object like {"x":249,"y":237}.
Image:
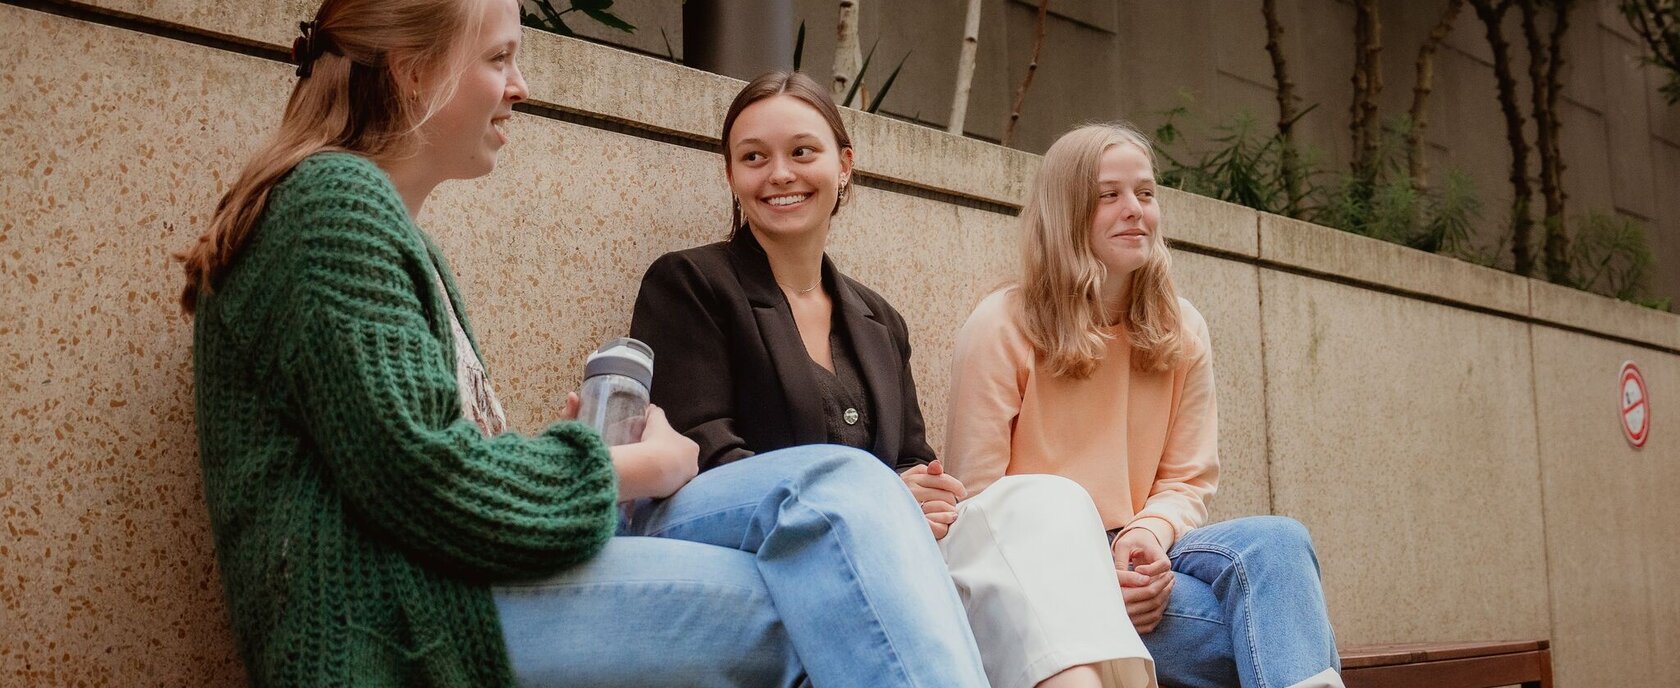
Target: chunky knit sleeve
{"x":368,"y":371}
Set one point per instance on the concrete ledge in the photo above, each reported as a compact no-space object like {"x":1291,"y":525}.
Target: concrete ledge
{"x":601,"y":81}
{"x":1304,"y":245}
{"x":1210,"y":224}
{"x":1583,"y":310}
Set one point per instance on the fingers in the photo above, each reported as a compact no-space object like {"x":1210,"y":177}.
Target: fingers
{"x":924,"y":495}
{"x":940,"y":530}
{"x":943,"y":482}
{"x":1132,"y":579}
{"x":1154,"y":568}
{"x":935,"y":468}
{"x":570,"y":412}
{"x":939,"y":509}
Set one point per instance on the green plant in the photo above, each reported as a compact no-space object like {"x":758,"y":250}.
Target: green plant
{"x":549,"y":19}
{"x":1610,"y":255}
{"x":1242,"y":166}
{"x":874,"y":104}
{"x":1246,"y":167}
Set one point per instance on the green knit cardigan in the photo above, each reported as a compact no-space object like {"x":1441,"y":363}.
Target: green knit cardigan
{"x":359,"y":520}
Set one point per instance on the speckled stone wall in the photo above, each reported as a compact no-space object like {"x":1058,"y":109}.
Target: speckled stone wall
{"x":1446,"y":431}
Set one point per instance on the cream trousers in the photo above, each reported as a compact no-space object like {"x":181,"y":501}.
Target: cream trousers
{"x":1030,"y":558}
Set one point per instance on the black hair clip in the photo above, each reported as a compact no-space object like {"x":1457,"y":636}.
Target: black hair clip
{"x":307,"y":47}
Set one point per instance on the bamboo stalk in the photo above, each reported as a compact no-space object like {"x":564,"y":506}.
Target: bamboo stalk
{"x":1422,"y":87}
{"x":1032,"y":68}
{"x":1492,"y":15}
{"x":1288,"y":160}
{"x":965,"y":68}
{"x":848,"y":55}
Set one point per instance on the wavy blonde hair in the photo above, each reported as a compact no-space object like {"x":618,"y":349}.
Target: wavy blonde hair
{"x":351,"y":100}
{"x":1058,"y":298}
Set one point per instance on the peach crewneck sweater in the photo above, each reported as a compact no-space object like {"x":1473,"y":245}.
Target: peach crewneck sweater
{"x":1145,"y":445}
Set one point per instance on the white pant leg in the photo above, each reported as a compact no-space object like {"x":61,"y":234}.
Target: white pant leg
{"x":1031,"y":560}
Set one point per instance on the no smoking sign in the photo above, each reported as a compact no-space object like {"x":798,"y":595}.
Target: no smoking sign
{"x":1636,"y":405}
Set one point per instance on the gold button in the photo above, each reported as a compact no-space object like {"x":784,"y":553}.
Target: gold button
{"x":850,"y":416}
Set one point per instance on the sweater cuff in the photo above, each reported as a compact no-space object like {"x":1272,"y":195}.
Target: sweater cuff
{"x":1158,"y":526}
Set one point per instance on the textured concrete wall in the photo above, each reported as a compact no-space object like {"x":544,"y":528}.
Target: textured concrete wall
{"x":1447,"y":431}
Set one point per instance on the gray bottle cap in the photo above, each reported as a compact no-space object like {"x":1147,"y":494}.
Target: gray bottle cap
{"x":622,"y":356}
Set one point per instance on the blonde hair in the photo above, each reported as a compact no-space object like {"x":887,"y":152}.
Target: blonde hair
{"x":1058,"y":299}
{"x":350,"y":99}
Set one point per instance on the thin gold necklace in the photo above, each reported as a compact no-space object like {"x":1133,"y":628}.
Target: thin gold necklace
{"x":801,"y":292}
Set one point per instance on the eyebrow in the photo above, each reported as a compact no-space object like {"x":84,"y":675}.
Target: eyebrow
{"x":801,"y":135}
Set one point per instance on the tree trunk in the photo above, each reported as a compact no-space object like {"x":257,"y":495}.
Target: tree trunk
{"x":1545,"y":65}
{"x":1492,"y":14}
{"x":1367,"y":84}
{"x":1421,"y":89}
{"x":1288,"y":160}
{"x":1032,"y":68}
{"x":965,"y":68}
{"x":848,"y":56}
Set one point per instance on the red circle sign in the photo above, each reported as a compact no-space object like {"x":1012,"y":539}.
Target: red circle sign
{"x":1635,"y":405}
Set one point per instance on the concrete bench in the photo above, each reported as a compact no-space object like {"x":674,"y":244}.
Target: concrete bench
{"x":1449,"y":665}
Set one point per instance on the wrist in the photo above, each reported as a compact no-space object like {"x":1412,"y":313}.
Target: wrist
{"x":638,"y":474}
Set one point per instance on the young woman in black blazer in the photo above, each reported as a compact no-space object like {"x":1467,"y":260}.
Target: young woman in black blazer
{"x":761,"y":343}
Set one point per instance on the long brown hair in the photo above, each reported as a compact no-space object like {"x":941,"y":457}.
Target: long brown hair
{"x":1058,"y":301}
{"x":350,"y":100}
{"x":796,"y":84}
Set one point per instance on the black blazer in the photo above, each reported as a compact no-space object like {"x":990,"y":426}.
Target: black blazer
{"x":731,"y":372}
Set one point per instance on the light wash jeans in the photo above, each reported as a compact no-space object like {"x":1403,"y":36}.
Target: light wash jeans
{"x":811,"y":560}
{"x":1246,"y":608}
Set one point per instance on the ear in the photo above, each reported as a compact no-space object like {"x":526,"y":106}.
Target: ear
{"x":405,"y":74}
{"x":846,"y":162}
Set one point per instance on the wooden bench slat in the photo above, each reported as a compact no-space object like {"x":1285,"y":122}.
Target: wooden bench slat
{"x":1404,"y":653}
{"x":1526,"y":668}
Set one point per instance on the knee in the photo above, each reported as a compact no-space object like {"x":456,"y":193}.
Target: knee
{"x":1052,"y":499}
{"x":830,"y":468}
{"x":1280,"y":534}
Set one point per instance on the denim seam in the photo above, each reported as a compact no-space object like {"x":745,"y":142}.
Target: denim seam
{"x":1242,"y":582}
{"x":1179,"y":615}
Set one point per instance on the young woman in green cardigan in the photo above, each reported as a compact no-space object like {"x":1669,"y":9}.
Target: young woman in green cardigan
{"x":376,"y":525}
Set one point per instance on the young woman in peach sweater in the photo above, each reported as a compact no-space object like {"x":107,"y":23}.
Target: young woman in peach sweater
{"x":1092,"y":368}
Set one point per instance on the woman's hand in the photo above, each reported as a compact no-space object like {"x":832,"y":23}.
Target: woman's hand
{"x":573,"y":404}
{"x":938,"y":493}
{"x":1145,"y":575}
{"x":657,"y":466}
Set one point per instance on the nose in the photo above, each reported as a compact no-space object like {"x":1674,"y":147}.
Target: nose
{"x":516,"y":88}
{"x":1130,"y":208}
{"x":780,"y":171}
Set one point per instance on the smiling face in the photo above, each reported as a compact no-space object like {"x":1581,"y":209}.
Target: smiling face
{"x":461,"y":139}
{"x":1126,"y":221}
{"x":786,"y":167}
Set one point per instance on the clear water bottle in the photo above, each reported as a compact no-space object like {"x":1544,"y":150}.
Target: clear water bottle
{"x":614,"y":399}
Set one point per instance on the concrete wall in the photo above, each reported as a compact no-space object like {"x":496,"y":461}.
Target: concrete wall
{"x":1448,"y":432}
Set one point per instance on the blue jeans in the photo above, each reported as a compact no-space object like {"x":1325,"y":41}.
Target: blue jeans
{"x":1246,"y":608}
{"x":811,"y":560}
